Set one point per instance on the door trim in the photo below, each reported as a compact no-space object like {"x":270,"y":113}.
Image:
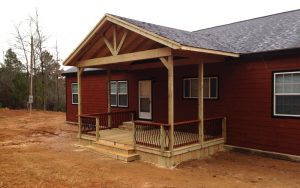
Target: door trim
{"x":138,"y":98}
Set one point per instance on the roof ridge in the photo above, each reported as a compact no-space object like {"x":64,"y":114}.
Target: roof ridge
{"x":149,"y":23}
{"x":232,"y":23}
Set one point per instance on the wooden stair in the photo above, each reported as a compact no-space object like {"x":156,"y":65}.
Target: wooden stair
{"x":127,"y":125}
{"x":114,"y":150}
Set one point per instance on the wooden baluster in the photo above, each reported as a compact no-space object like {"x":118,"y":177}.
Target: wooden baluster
{"x":132,"y":116}
{"x":134,"y":135}
{"x":97,"y":129}
{"x":162,"y":138}
{"x":109,"y":121}
{"x":224,"y":131}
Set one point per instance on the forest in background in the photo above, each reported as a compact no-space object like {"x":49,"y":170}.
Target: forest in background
{"x":30,"y":55}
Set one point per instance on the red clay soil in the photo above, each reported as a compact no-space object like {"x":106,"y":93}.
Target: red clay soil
{"x":39,"y":151}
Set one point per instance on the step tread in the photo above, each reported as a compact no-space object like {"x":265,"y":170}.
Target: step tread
{"x":114,"y":145}
{"x":116,"y":155}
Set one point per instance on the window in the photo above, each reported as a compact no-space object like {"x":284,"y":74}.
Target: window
{"x":74,"y":93}
{"x":210,"y":88}
{"x":286,"y":94}
{"x":119,"y":93}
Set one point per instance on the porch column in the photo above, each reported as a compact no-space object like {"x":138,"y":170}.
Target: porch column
{"x":171,"y":100}
{"x":168,"y":63}
{"x":79,"y":73}
{"x":108,"y":97}
{"x":200,"y":103}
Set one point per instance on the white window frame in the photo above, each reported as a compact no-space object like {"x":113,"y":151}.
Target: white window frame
{"x":74,"y":93}
{"x":117,"y":93}
{"x":282,"y":94}
{"x":190,"y":80}
{"x":209,"y":87}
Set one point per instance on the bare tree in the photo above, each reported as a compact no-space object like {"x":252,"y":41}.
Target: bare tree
{"x":57,"y":76}
{"x":22,"y":44}
{"x":40,"y":39}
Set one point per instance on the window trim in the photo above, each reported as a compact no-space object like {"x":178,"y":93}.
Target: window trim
{"x":74,"y":83}
{"x":117,"y":94}
{"x":205,"y":77}
{"x":274,"y":73}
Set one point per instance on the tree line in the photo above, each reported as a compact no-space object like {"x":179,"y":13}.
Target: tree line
{"x":31,"y":56}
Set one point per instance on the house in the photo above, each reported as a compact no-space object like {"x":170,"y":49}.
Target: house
{"x":163,"y":95}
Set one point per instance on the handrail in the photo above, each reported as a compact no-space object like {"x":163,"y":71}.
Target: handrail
{"x":214,"y":118}
{"x":109,"y":113}
{"x":150,"y":123}
{"x":186,"y":122}
{"x":88,"y":116}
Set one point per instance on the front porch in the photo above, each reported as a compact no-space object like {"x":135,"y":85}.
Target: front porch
{"x":150,"y":141}
{"x":170,"y":136}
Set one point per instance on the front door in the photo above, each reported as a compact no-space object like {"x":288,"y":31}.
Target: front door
{"x":145,"y":107}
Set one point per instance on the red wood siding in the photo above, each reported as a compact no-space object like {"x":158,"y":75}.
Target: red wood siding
{"x":245,"y":97}
{"x":93,"y":95}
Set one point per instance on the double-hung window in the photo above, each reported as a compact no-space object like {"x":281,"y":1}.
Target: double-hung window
{"x":119,"y":93}
{"x":286,"y":94}
{"x":74,"y":93}
{"x":210,"y":88}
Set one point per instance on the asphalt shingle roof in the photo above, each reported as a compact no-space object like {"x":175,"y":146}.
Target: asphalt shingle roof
{"x":74,"y":70}
{"x":183,"y":37}
{"x":274,"y":32}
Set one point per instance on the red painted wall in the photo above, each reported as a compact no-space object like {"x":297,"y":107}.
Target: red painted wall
{"x":245,"y":97}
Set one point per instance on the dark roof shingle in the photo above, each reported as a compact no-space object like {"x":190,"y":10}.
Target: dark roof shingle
{"x":274,"y":32}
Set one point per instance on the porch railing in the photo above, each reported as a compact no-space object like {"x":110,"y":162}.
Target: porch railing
{"x":186,"y":133}
{"x":153,"y":135}
{"x":214,"y":128}
{"x":91,"y":124}
{"x":157,"y":135}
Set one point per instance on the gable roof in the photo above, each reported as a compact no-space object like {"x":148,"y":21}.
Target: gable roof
{"x":268,"y":33}
{"x":182,"y":37}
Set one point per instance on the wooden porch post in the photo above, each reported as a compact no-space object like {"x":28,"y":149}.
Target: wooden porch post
{"x":79,"y":73}
{"x":168,"y":62}
{"x":171,"y":100}
{"x":200,"y":103}
{"x":108,"y":97}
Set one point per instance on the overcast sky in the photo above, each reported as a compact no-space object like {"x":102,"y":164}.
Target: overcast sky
{"x":69,"y":21}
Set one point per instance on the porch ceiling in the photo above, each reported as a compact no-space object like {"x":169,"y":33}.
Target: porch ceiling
{"x":113,"y":36}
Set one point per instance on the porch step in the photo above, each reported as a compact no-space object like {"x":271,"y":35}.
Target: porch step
{"x":115,"y":150}
{"x":115,"y":155}
{"x":127,"y":125}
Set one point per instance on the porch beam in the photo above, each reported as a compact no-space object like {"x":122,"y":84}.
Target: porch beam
{"x":79,"y":107}
{"x":115,"y":38}
{"x":147,"y":54}
{"x":109,"y":46}
{"x":200,"y":103}
{"x":121,"y":42}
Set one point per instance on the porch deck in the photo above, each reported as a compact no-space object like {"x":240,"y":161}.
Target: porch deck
{"x":117,"y":135}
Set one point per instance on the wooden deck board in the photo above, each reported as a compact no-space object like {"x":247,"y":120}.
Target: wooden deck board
{"x":117,"y":135}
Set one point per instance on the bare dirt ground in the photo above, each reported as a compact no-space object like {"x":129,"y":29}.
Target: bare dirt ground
{"x":39,"y":151}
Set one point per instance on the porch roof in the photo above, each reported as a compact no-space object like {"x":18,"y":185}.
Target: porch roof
{"x":155,"y":36}
{"x":264,"y":34}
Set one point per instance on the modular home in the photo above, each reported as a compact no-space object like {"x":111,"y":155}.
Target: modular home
{"x":164,"y":95}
